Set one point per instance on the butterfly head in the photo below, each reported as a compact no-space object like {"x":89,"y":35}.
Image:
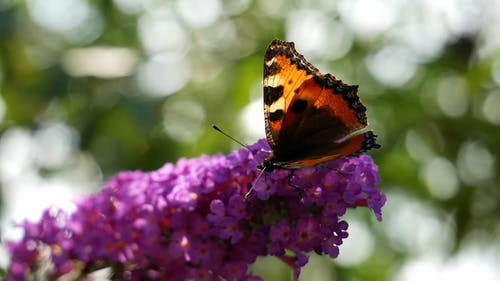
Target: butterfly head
{"x":268,"y":164}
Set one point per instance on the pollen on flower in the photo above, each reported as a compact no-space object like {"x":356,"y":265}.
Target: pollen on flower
{"x":56,"y":250}
{"x":185,"y":243}
{"x":192,"y":221}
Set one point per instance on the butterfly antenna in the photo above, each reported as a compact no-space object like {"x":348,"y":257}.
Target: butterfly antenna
{"x":233,"y":139}
{"x":254,"y":183}
{"x":245,"y":146}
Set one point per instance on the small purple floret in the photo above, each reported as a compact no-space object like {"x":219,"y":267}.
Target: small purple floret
{"x":191,"y":220}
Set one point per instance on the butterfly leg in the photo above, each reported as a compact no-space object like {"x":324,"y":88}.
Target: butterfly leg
{"x":262,"y":172}
{"x":290,"y":176}
{"x":298,"y":188}
{"x":340,"y":172}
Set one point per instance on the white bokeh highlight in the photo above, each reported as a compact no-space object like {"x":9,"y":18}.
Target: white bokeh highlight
{"x":161,"y":32}
{"x":163,"y":74}
{"x":199,"y":13}
{"x":76,"y":20}
{"x":440,"y":177}
{"x":392,"y":65}
{"x":359,"y":246}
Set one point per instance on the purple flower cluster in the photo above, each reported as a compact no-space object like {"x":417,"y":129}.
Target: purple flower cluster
{"x":191,"y":220}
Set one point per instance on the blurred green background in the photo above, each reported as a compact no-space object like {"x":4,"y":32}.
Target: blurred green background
{"x":89,"y":88}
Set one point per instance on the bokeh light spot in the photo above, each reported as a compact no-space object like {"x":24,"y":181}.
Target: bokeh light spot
{"x":199,"y":13}
{"x":235,"y":7}
{"x":318,"y":35}
{"x":440,"y":177}
{"x":129,"y":6}
{"x":359,"y":246}
{"x":276,"y":9}
{"x":183,"y":120}
{"x":16,"y":153}
{"x":495,"y":71}
{"x":160,"y":32}
{"x":368,"y":18}
{"x":417,"y":147}
{"x":491,"y":107}
{"x":3,"y":109}
{"x":223,"y":37}
{"x":252,"y":120}
{"x":163,"y":75}
{"x":54,"y":143}
{"x":76,"y":20}
{"x":472,"y":263}
{"x":102,"y":62}
{"x":392,"y":65}
{"x":452,"y":96}
{"x":416,"y":227}
{"x":475,"y":163}
{"x":308,"y":29}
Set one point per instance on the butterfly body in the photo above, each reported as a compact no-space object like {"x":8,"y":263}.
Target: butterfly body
{"x":311,"y":118}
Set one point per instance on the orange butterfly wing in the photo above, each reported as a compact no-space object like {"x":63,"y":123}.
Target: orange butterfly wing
{"x":310,"y":117}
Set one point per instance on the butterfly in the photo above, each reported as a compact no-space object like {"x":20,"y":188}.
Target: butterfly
{"x":310,"y":118}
